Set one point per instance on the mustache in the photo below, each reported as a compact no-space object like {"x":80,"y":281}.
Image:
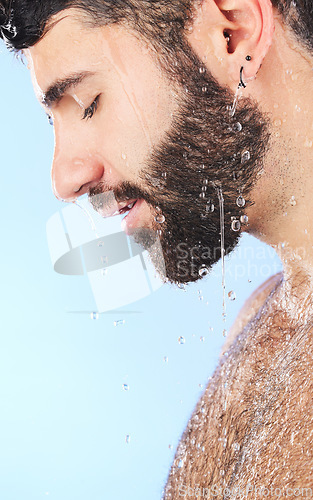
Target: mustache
{"x":104,"y":195}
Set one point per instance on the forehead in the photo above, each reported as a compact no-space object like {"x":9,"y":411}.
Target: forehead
{"x":71,"y":46}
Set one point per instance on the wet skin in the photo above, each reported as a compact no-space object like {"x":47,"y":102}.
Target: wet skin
{"x":254,"y":421}
{"x":253,"y":426}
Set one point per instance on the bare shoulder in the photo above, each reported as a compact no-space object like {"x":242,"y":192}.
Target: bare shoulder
{"x":250,"y":308}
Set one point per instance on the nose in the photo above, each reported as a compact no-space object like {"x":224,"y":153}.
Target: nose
{"x":75,"y":169}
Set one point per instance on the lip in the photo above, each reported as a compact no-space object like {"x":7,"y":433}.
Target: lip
{"x":132,"y":220}
{"x":116,"y":208}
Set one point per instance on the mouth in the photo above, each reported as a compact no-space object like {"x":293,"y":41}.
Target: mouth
{"x":116,"y":208}
{"x":135,"y":210}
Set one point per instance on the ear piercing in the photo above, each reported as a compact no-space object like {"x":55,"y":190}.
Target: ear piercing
{"x":241,"y":82}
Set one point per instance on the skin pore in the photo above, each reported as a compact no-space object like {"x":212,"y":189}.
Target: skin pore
{"x":254,"y":421}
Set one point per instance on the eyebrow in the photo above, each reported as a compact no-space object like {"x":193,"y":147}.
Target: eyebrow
{"x":58,"y":89}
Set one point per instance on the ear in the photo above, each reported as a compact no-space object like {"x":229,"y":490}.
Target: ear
{"x":225,"y":32}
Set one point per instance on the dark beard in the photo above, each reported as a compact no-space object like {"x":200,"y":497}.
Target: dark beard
{"x":204,"y":153}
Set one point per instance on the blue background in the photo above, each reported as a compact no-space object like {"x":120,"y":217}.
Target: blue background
{"x":64,"y":414}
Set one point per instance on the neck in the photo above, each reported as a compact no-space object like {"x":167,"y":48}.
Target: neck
{"x":282,"y":215}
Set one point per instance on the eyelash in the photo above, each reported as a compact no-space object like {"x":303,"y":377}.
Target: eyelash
{"x":90,"y":111}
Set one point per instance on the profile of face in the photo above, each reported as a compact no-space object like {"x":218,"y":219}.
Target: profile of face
{"x":152,"y":134}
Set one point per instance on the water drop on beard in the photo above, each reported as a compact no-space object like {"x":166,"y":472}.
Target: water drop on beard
{"x":202,"y":195}
{"x":160,"y":219}
{"x":235,"y":225}
{"x":232,"y":295}
{"x":240,"y":202}
{"x":209,"y":207}
{"x":204,"y":89}
{"x":203,"y":271}
{"x":202,"y":70}
{"x":237,"y":127}
{"x":181,"y":340}
{"x":245,"y":156}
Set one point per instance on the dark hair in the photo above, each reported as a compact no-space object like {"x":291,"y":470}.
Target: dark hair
{"x":23,"y":22}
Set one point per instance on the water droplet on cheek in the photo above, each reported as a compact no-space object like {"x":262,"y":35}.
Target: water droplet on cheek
{"x":293,"y":201}
{"x":244,"y":219}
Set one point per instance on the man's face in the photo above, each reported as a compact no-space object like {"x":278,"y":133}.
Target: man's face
{"x":162,"y":135}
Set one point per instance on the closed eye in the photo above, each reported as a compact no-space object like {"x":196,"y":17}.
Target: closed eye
{"x":90,"y":111}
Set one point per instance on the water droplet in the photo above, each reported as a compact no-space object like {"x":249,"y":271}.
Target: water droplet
{"x":236,"y":446}
{"x":170,"y":446}
{"x":125,"y":387}
{"x":237,"y":127}
{"x":288,"y":336}
{"x":200,"y":297}
{"x":202,"y":195}
{"x":232,"y":295}
{"x":104,"y":259}
{"x":204,"y":188}
{"x":209,"y":207}
{"x":127,"y":438}
{"x":308,"y":143}
{"x":293,"y":201}
{"x":249,"y":281}
{"x":165,"y":359}
{"x":164,"y":175}
{"x":203,"y":271}
{"x":159,"y":218}
{"x":211,"y":329}
{"x":206,"y":182}
{"x":119,"y":322}
{"x":104,"y":272}
{"x":297,"y":108}
{"x":204,"y":89}
{"x":50,"y":120}
{"x":224,"y":333}
{"x":180,"y":464}
{"x":201,"y":70}
{"x":94,"y":315}
{"x":240,"y":202}
{"x":245,"y":156}
{"x":202,"y":339}
{"x":181,"y":340}
{"x":244,"y":219}
{"x":124,"y":156}
{"x":235,"y":225}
